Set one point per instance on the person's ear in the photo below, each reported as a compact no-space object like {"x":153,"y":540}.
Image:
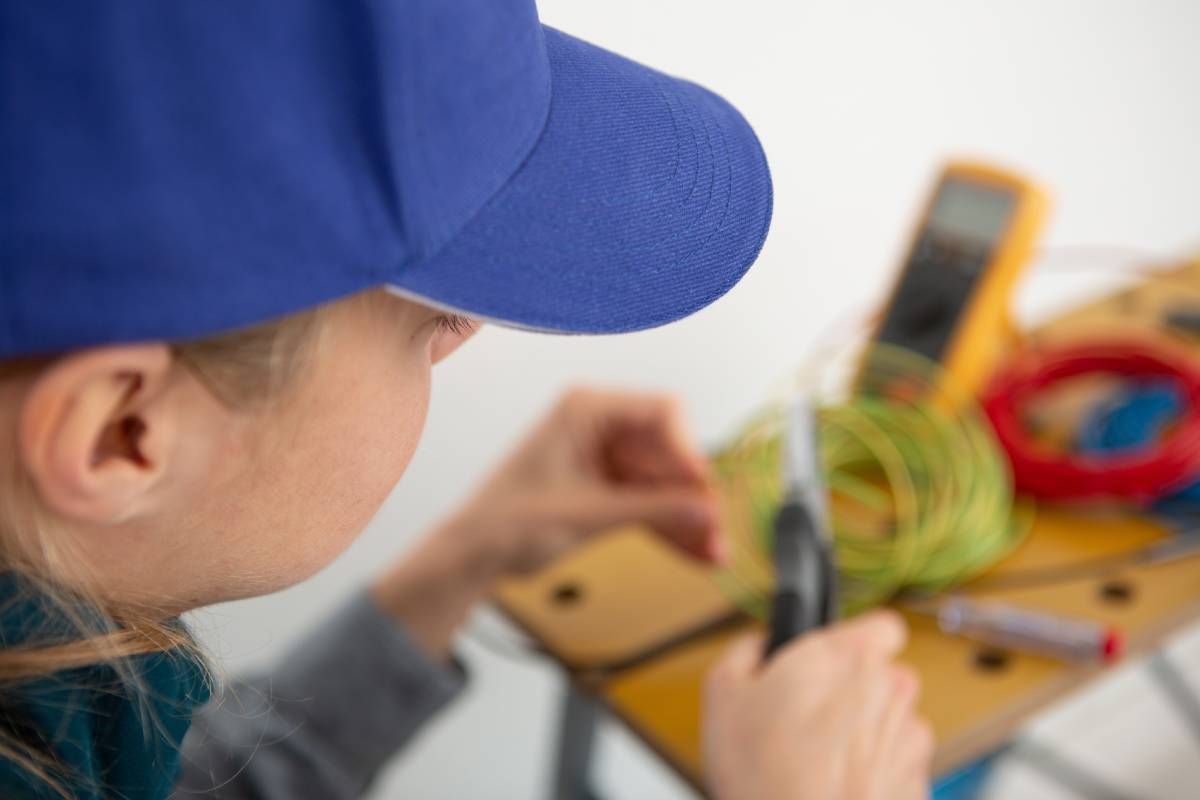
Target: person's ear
{"x":94,"y":431}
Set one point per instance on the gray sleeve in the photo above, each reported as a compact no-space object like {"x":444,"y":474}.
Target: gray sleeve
{"x":341,"y":703}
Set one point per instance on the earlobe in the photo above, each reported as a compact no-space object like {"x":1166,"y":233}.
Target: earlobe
{"x":91,"y":434}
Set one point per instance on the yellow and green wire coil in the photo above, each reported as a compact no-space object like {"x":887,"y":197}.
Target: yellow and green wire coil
{"x":921,"y":496}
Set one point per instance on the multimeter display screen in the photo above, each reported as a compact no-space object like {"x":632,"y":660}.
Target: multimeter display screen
{"x":953,"y":248}
{"x":970,"y":213}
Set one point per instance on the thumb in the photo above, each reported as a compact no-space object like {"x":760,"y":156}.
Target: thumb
{"x":685,"y":517}
{"x":740,"y":661}
{"x":878,"y":634}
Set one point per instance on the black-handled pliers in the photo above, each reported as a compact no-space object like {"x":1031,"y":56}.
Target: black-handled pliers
{"x":802,"y":552}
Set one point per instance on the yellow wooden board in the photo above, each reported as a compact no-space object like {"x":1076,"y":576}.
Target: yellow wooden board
{"x":617,"y":596}
{"x":626,"y":593}
{"x":973,"y":709}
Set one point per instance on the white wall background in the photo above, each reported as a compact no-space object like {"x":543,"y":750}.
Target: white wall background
{"x":856,"y":103}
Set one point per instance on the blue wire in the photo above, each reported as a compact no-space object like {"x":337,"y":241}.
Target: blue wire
{"x":1132,"y":419}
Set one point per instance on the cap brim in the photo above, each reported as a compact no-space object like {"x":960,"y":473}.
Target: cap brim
{"x":645,"y":199}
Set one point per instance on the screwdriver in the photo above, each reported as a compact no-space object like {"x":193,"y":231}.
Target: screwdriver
{"x":1004,"y":625}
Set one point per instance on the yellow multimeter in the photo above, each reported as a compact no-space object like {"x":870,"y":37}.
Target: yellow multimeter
{"x":951,"y":301}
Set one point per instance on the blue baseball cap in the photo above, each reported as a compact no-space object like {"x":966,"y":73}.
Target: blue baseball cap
{"x":169,"y":170}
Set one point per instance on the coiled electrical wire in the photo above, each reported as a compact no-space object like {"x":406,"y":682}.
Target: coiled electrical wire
{"x":921,"y":496}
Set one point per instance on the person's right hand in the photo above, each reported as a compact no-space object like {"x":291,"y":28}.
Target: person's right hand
{"x":829,"y":717}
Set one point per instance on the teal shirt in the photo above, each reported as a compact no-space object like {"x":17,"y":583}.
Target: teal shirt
{"x":116,"y":740}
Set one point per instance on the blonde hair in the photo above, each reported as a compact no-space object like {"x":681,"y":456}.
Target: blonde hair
{"x":246,"y":367}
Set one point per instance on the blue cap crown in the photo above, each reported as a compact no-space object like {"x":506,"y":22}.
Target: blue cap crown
{"x":170,"y":170}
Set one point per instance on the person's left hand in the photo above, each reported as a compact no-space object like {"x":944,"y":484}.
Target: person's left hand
{"x":598,"y":460}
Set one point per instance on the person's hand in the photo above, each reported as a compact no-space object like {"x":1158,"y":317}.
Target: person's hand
{"x":829,"y":717}
{"x":598,"y":460}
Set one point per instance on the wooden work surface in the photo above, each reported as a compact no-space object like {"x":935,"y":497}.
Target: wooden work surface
{"x":614,"y":612}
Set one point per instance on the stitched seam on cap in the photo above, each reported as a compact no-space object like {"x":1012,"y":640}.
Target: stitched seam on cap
{"x":706,"y":122}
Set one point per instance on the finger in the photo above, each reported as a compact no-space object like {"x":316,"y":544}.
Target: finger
{"x":915,"y":788}
{"x":739,"y":662}
{"x":644,"y":436}
{"x":905,"y":688}
{"x":648,"y":452}
{"x":878,"y":634}
{"x":686,"y":518}
{"x":676,"y":449}
{"x":919,"y":745}
{"x":872,"y":684}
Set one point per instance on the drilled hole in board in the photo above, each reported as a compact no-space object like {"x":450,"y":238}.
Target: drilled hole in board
{"x":566,"y":594}
{"x":992,"y":659}
{"x":1117,"y":592}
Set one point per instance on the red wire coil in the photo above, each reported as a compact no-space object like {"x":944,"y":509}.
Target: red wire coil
{"x":1142,"y":475}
